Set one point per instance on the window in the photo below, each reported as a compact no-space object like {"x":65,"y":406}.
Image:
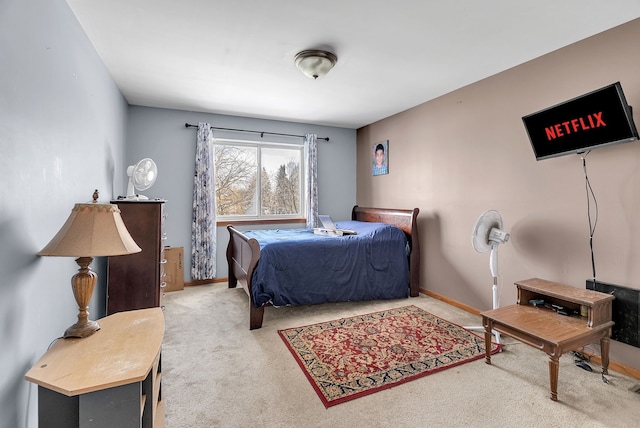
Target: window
{"x":258,"y":180}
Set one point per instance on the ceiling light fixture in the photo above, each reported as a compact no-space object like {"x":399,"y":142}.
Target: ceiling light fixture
{"x":315,"y":63}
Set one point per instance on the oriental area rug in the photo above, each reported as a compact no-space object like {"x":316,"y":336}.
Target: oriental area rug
{"x":353,"y":357}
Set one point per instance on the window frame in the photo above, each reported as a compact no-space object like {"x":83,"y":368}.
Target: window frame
{"x":259,"y":217}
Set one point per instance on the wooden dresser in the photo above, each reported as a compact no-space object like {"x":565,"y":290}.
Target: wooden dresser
{"x":135,"y":281}
{"x":110,"y":379}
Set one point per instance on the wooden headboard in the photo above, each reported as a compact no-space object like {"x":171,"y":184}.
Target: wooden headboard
{"x":407,"y":220}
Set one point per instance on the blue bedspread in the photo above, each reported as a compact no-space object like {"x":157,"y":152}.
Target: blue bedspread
{"x":297,"y":267}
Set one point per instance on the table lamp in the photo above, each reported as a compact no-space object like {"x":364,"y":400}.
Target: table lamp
{"x":91,"y":230}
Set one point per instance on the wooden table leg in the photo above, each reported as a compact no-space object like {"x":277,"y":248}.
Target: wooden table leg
{"x":554,"y":366}
{"x":604,"y":351}
{"x":487,"y":339}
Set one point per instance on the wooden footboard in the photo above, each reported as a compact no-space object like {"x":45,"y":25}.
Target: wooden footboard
{"x":243,"y":253}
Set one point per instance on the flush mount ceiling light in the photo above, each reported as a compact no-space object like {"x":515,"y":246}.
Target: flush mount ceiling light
{"x":315,"y":63}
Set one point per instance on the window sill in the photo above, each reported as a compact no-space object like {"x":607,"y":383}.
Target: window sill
{"x":261,"y":221}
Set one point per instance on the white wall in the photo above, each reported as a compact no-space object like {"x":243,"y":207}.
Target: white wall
{"x":161,"y":135}
{"x":62,"y":127}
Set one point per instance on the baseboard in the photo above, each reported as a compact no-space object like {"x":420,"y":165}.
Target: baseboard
{"x":616,"y":367}
{"x":613,"y":366}
{"x":451,"y":302}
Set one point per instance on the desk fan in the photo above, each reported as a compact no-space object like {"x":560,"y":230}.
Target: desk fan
{"x":141,"y":177}
{"x":487,"y":235}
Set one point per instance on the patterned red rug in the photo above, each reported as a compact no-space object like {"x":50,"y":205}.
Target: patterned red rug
{"x":352,"y":357}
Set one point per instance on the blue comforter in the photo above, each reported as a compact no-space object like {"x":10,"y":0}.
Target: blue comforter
{"x":297,"y":267}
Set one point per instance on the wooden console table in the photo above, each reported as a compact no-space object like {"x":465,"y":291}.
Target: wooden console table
{"x":549,"y":331}
{"x":109,"y":379}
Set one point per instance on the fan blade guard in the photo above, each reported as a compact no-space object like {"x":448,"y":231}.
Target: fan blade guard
{"x":482,"y":229}
{"x":142,"y":176}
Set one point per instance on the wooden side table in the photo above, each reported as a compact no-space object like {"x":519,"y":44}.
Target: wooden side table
{"x":109,"y":379}
{"x":549,"y":331}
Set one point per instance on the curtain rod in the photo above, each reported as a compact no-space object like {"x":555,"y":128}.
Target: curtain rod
{"x":262,"y":133}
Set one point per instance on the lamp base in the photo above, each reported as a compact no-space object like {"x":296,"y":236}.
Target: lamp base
{"x":81,"y":330}
{"x":82,"y":284}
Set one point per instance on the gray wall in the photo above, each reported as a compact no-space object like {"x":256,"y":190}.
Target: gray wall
{"x":62,"y":128}
{"x":161,"y":135}
{"x":63,"y":133}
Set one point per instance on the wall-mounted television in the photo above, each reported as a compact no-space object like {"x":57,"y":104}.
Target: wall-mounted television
{"x":599,"y":118}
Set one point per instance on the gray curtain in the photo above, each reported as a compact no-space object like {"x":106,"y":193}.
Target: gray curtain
{"x":311,"y":184}
{"x":203,"y":226}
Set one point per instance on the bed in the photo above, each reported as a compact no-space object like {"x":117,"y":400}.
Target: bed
{"x":296,"y":267}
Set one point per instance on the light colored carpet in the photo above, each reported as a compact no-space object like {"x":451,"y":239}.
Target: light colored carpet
{"x":218,"y":373}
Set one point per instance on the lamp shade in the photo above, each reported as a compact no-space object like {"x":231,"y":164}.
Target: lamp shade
{"x":92,"y":230}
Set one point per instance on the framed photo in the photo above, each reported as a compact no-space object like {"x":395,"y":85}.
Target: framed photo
{"x":380,"y":158}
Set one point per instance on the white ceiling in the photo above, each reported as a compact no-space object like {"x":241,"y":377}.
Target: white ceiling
{"x":235,"y":57}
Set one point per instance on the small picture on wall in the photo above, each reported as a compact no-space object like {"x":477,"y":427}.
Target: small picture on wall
{"x":380,"y":158}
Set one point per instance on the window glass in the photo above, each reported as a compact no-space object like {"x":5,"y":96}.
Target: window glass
{"x":242,"y":192}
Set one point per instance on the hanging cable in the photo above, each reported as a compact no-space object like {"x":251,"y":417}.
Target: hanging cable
{"x":262,"y":133}
{"x":592,"y":224}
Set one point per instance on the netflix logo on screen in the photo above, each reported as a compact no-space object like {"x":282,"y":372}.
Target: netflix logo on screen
{"x":596,"y":119}
{"x":577,"y":124}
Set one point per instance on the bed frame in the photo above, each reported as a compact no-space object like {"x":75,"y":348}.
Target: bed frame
{"x":243,"y":253}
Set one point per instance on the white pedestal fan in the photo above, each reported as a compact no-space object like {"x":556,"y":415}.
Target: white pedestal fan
{"x":487,"y":235}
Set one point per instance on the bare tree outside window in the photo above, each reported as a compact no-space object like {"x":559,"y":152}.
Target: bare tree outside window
{"x":236,"y":180}
{"x":268,"y":196}
{"x":243,"y":168}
